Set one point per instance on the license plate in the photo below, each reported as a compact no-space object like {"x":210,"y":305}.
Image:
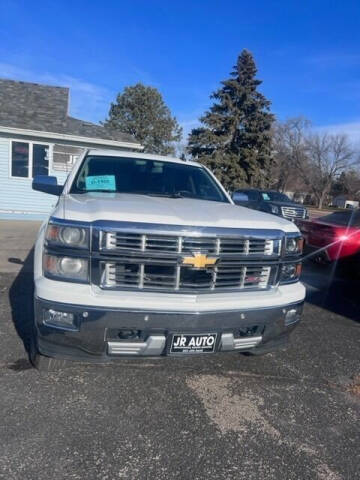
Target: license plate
{"x":195,"y":343}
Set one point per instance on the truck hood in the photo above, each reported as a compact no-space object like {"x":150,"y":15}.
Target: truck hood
{"x":284,"y":204}
{"x":123,"y":207}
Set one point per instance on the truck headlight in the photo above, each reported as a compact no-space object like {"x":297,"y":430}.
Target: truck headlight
{"x":290,"y":273}
{"x":294,"y":245}
{"x":66,"y":268}
{"x":274,"y":209}
{"x":67,"y":236}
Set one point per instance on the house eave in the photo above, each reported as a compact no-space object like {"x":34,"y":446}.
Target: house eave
{"x":70,"y":138}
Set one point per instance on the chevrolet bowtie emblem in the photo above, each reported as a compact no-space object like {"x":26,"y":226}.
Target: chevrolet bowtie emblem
{"x":199,"y":261}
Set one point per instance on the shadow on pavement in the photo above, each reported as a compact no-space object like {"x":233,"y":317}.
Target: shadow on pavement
{"x":332,"y":289}
{"x":21,"y":300}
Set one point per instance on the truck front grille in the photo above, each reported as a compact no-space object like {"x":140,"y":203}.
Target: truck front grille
{"x":166,"y":276}
{"x":139,"y":258}
{"x":118,"y":241}
{"x":293,"y":212}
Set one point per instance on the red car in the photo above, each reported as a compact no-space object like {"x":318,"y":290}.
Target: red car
{"x":333,"y":237}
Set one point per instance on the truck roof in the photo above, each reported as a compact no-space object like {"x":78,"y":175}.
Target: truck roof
{"x":147,"y":156}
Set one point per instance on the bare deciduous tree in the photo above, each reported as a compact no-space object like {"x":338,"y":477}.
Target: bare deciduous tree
{"x":289,"y":151}
{"x":349,"y":184}
{"x":326,"y":157}
{"x":311,"y":160}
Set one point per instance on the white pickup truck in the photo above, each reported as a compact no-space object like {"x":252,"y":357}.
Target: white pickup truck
{"x":148,"y":255}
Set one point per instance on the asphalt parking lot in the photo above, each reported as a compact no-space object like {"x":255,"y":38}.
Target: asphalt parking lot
{"x":293,"y":414}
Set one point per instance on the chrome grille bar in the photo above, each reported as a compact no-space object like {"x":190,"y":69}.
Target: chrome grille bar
{"x":180,"y":278}
{"x":293,"y":212}
{"x":114,"y":242}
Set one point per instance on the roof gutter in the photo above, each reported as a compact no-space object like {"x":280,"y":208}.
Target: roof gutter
{"x":73,"y":138}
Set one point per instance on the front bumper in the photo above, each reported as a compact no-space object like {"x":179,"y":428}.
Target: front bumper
{"x":98,"y":331}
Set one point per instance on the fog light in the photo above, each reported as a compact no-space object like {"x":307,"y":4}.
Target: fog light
{"x":291,"y":316}
{"x":56,"y":319}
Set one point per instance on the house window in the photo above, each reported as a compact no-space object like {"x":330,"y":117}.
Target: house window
{"x":40,"y":160}
{"x":64,"y":157}
{"x":20,"y":159}
{"x":29,"y":159}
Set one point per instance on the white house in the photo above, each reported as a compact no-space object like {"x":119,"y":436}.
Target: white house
{"x":341,"y":201}
{"x":38,"y":137}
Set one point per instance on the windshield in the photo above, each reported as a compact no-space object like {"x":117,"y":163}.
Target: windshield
{"x":146,"y":177}
{"x":275,"y":197}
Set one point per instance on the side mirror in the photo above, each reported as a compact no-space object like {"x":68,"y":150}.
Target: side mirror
{"x":239,"y":197}
{"x":44,"y":183}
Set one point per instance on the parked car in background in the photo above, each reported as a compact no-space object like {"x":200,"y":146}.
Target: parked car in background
{"x":334,"y":237}
{"x":270,"y":201}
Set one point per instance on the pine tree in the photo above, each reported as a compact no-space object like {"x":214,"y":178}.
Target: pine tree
{"x":235,"y":139}
{"x":142,"y":112}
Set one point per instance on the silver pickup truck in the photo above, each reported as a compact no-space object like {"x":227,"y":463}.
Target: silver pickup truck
{"x":148,"y":255}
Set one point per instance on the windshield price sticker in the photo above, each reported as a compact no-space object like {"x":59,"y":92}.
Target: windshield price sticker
{"x":101,"y":182}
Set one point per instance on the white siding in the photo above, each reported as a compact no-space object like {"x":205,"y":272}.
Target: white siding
{"x":16,"y":194}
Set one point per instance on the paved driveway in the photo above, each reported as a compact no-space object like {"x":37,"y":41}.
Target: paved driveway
{"x":287,"y":415}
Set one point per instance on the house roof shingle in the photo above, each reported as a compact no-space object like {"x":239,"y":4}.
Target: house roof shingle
{"x":44,"y":108}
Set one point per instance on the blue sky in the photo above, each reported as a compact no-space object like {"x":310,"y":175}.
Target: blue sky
{"x":307,"y":52}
